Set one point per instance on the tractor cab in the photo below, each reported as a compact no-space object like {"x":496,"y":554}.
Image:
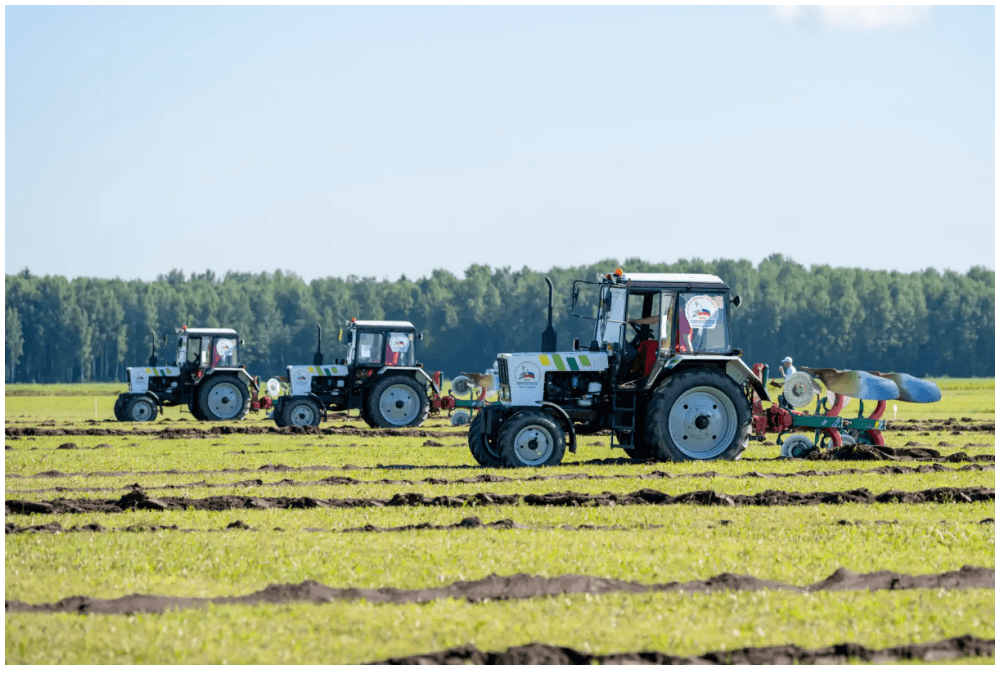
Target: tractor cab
{"x":680,"y":313}
{"x":373,"y":345}
{"x":207,"y":348}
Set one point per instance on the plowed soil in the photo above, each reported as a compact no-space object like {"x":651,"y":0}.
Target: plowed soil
{"x":138,"y":500}
{"x":491,"y":478}
{"x":542,"y":654}
{"x":516,"y":587}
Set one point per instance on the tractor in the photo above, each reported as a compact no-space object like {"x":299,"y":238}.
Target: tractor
{"x":660,"y":373}
{"x":379,"y":376}
{"x":206,"y":377}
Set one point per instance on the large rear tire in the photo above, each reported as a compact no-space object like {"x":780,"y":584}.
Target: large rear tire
{"x":300,"y":411}
{"x":641,"y":449}
{"x":698,"y":415}
{"x":484,"y":450}
{"x":531,"y":439}
{"x":397,"y":401}
{"x":224,"y":398}
{"x":140,"y":408}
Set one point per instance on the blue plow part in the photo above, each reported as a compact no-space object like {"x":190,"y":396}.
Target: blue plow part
{"x":856,"y":383}
{"x":912,"y":389}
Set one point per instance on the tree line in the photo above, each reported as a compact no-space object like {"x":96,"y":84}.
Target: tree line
{"x":923,"y":323}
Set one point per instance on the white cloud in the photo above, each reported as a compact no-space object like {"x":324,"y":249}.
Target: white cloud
{"x":856,"y":17}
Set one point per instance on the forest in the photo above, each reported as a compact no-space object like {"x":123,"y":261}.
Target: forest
{"x":926,"y":323}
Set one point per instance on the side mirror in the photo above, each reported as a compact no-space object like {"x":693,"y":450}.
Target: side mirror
{"x":737,"y":301}
{"x":607,"y":302}
{"x":240,"y":342}
{"x":421,"y":336}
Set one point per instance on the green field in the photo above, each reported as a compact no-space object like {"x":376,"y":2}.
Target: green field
{"x":192,"y":553}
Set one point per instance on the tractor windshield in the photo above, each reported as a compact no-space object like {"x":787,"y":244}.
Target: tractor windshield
{"x":703,"y":323}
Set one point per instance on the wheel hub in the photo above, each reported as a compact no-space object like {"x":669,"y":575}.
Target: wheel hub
{"x":224,"y":401}
{"x":399,"y":404}
{"x":533,"y":445}
{"x":302,"y":416}
{"x":703,"y":422}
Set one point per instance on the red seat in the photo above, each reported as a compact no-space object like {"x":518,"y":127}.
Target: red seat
{"x":647,"y":352}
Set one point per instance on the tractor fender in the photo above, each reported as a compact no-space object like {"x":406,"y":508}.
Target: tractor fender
{"x":415,"y":371}
{"x":562,"y":415}
{"x":734,"y":366}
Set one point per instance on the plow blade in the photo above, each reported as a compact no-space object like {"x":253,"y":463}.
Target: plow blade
{"x":912,"y":389}
{"x":856,"y":383}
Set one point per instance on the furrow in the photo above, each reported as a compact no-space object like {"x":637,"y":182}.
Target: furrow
{"x":516,"y":587}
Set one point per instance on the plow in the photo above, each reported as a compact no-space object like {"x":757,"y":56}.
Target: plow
{"x":832,"y":425}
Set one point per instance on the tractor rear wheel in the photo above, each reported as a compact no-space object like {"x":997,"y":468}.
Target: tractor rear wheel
{"x":697,"y":415}
{"x":483,"y":449}
{"x":300,"y":411}
{"x":140,"y":408}
{"x":397,"y":401}
{"x":224,"y":398}
{"x":531,"y":439}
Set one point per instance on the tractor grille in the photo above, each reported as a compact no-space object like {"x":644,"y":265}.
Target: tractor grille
{"x":503,"y":372}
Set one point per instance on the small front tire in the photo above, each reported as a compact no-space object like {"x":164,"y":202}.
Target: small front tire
{"x":140,"y":409}
{"x":301,"y":411}
{"x":531,"y":439}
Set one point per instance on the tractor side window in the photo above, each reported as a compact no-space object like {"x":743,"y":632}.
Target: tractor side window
{"x":224,"y":353}
{"x":400,"y":350}
{"x":703,"y":323}
{"x":370,"y":348}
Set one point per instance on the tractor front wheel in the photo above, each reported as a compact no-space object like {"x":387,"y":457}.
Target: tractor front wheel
{"x":483,"y":449}
{"x":698,"y":414}
{"x":397,"y":401}
{"x":140,"y":409}
{"x":531,"y":439}
{"x":223,"y":398}
{"x":301,"y":411}
{"x":120,"y":407}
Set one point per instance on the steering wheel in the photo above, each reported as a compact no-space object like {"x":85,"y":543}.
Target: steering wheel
{"x":642,"y":332}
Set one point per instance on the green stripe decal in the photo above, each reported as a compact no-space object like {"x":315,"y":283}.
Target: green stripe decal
{"x":573,"y":363}
{"x":559,"y":362}
{"x":585,"y":360}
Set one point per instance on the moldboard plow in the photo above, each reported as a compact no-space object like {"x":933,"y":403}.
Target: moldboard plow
{"x":830,"y":425}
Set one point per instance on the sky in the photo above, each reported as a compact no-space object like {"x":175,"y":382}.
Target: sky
{"x":389,"y":141}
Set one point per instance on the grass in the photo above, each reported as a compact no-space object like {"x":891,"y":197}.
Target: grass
{"x":794,"y":544}
{"x":360,"y":632}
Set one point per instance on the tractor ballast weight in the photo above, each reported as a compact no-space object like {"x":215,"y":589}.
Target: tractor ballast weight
{"x":675,"y":391}
{"x":206,"y":377}
{"x":379,"y":376}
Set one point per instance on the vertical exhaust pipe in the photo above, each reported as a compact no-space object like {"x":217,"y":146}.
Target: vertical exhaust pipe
{"x":318,"y":358}
{"x":549,"y":334}
{"x":153,"y":350}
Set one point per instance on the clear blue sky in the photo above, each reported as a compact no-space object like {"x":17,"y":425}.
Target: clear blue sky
{"x":384,"y":141}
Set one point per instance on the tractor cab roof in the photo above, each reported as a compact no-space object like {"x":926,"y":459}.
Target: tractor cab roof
{"x":668,"y":281}
{"x":209,"y":332}
{"x":403,"y":326}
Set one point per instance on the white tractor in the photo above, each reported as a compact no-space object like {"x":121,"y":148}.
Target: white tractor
{"x":660,"y":373}
{"x":379,"y":376}
{"x":207,"y":377}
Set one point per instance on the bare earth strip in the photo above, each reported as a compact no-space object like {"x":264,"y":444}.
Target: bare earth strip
{"x":172,"y":433}
{"x":517,"y":587}
{"x":543,"y":654}
{"x":139,"y":500}
{"x":468,"y":523}
{"x":493,"y":478}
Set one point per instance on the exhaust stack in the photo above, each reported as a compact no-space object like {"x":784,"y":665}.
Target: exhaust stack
{"x":153,"y":350}
{"x":318,"y":358}
{"x":549,"y":334}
